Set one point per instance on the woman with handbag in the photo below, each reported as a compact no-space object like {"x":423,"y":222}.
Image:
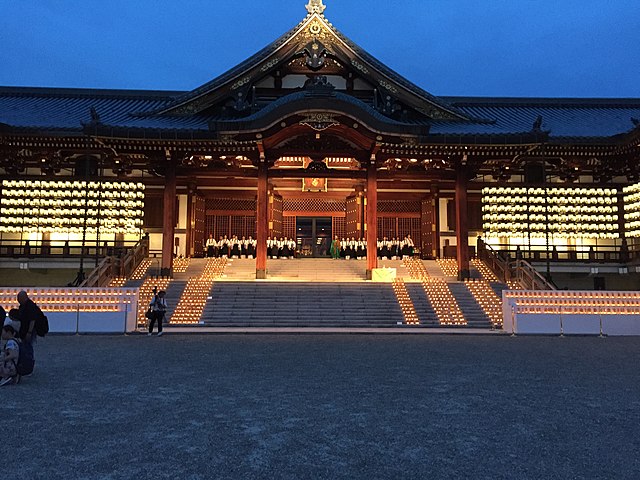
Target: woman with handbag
{"x":158,"y":308}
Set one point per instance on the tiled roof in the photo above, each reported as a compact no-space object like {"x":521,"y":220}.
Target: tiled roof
{"x":563,"y":118}
{"x":67,"y":110}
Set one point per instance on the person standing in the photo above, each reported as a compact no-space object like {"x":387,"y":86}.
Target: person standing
{"x":211,"y":245}
{"x":28,"y":314}
{"x":159,"y":308}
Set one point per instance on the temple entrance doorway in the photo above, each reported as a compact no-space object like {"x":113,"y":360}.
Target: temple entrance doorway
{"x":313,"y":237}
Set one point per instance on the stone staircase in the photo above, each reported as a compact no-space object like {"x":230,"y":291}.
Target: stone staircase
{"x":302,"y":304}
{"x":319,"y":292}
{"x":472,"y":311}
{"x":422,"y":305}
{"x":317,"y":269}
{"x":241,"y":269}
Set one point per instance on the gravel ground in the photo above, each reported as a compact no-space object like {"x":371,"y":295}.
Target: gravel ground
{"x":325,"y":406}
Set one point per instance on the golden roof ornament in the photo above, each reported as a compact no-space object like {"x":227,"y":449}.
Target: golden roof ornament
{"x":315,"y":6}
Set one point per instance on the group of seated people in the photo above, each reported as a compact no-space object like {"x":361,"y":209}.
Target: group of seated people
{"x":230,"y":247}
{"x":389,"y":248}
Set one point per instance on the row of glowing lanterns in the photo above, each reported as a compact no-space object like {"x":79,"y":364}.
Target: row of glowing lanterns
{"x":545,"y":310}
{"x":448,"y":266}
{"x":103,"y":204}
{"x":443,"y":303}
{"x":68,"y":184}
{"x":71,"y":194}
{"x":551,"y":201}
{"x":537,"y":191}
{"x":406,"y":305}
{"x":90,"y":300}
{"x":71,"y":206}
{"x":487,"y":299}
{"x":73,"y":213}
{"x":513,"y":231}
{"x":543,"y":295}
{"x":632,"y":210}
{"x":415,"y":268}
{"x":485,"y":271}
{"x":584,"y":219}
{"x":194,"y":297}
{"x":192,"y":302}
{"x":528,"y":209}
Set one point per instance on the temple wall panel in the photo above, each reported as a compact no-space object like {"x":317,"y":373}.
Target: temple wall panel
{"x":428,"y":218}
{"x":339,"y":227}
{"x":275,"y":215}
{"x":153,"y":211}
{"x":353,"y":217}
{"x":199,"y":220}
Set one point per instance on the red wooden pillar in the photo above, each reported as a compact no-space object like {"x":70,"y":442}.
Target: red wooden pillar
{"x":168,"y":220}
{"x":462,"y":230}
{"x":372,"y":217}
{"x":262,"y":220}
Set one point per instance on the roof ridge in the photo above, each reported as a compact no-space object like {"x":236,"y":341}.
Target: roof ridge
{"x":87,"y":92}
{"x":538,"y":101}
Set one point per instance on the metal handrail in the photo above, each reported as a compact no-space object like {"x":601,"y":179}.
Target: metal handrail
{"x":505,"y":269}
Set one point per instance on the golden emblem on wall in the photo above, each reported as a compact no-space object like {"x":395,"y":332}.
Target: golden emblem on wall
{"x":314,"y":184}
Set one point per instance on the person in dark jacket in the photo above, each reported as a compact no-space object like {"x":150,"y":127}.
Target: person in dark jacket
{"x":28,"y":314}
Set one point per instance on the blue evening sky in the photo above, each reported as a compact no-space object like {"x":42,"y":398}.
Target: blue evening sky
{"x":553,"y":48}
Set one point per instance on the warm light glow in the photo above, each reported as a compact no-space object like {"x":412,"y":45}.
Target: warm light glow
{"x":194,"y":297}
{"x":562,"y":212}
{"x":71,"y":207}
{"x":632,"y":210}
{"x":406,"y":305}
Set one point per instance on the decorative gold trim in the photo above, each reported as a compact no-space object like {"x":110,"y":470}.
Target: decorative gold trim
{"x":319,"y":121}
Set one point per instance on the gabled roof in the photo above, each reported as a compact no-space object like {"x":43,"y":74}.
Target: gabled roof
{"x":315,"y":27}
{"x":153,"y":114}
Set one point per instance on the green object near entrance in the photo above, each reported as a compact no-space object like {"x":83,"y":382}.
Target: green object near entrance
{"x":313,"y":237}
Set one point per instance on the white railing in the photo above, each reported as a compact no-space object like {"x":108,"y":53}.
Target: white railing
{"x":81,"y":310}
{"x":571,"y":312}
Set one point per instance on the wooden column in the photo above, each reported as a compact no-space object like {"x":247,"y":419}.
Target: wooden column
{"x":462,"y":230}
{"x":168,"y":220}
{"x":372,"y":217}
{"x":262,"y":219}
{"x":435,"y":192}
{"x":189,"y":249}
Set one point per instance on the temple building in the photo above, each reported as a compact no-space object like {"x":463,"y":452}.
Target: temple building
{"x":313,"y":138}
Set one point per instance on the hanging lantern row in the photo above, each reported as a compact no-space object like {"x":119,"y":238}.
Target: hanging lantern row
{"x":561,"y":212}
{"x":30,"y":206}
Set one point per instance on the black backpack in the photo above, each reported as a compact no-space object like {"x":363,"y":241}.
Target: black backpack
{"x":26,"y":361}
{"x":42,"y":325}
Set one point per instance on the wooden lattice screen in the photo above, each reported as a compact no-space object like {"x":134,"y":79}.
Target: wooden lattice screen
{"x":289,"y":227}
{"x":399,"y":206}
{"x":399,"y":228}
{"x":275,"y":216}
{"x":312,"y":205}
{"x":199,"y":226}
{"x":338,"y":227}
{"x":231,"y":204}
{"x":229,"y":225}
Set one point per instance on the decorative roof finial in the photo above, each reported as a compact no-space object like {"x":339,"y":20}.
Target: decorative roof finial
{"x":315,"y":6}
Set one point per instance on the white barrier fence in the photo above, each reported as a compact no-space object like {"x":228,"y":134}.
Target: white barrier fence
{"x":81,"y":310}
{"x":571,"y":312}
